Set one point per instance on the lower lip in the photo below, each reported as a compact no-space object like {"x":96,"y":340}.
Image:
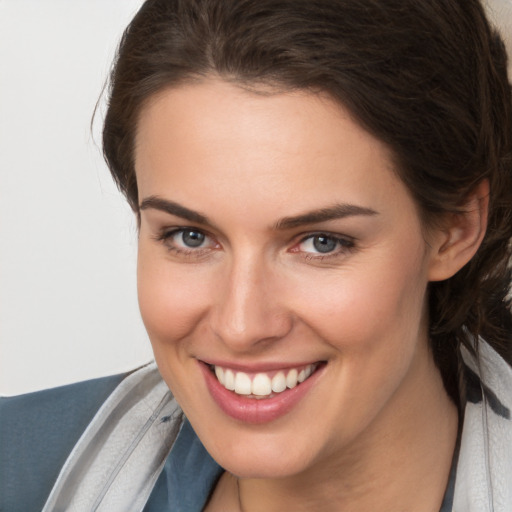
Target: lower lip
{"x":254,"y":410}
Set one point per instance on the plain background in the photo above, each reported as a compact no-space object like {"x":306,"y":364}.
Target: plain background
{"x":68,"y":307}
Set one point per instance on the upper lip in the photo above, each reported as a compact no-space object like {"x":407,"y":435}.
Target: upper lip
{"x":268,"y":366}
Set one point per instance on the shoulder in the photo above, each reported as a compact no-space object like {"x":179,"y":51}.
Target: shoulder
{"x":37,"y":432}
{"x":484,"y":467}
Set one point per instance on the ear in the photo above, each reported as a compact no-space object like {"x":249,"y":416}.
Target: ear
{"x":457,"y":241}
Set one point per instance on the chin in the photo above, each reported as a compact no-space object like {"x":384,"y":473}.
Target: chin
{"x":263,"y":458}
{"x":264,"y":469}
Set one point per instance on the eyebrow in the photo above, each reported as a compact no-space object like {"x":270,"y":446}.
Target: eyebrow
{"x":337,"y":211}
{"x":173,"y":208}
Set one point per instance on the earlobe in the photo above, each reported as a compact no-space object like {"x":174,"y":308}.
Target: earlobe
{"x":461,"y":236}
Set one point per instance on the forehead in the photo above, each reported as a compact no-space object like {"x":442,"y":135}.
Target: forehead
{"x":217,"y":141}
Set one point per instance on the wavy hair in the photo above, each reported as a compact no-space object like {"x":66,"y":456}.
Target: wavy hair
{"x":426,"y":77}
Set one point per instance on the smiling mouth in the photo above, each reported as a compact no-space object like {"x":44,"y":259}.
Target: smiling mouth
{"x":262,"y":385}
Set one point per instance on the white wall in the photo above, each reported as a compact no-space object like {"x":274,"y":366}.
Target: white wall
{"x":500,"y":12}
{"x":68,"y":306}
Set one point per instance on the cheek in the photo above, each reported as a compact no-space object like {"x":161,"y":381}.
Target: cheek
{"x":364,"y":308}
{"x":171,"y":299}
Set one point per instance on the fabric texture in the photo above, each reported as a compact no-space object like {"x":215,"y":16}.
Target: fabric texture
{"x":484,"y":469}
{"x":117,"y":461}
{"x":139,"y":454}
{"x":189,"y":476}
{"x":37,"y":432}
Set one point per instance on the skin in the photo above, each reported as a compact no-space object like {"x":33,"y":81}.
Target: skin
{"x":377,"y":430}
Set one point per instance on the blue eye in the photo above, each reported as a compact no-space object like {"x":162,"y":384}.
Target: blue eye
{"x":322,"y":243}
{"x":186,"y":241}
{"x":190,"y":238}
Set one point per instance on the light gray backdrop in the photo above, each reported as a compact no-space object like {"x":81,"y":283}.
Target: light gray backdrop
{"x":68,"y":308}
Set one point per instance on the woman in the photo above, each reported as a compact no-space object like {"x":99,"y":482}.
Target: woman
{"x":324,"y":197}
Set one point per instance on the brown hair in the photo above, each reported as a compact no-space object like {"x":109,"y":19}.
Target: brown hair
{"x":427,"y":77}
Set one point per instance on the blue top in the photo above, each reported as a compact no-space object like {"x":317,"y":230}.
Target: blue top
{"x":38,"y":431}
{"x":190,"y":475}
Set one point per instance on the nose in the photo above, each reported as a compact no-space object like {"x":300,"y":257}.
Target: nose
{"x":249,"y":311}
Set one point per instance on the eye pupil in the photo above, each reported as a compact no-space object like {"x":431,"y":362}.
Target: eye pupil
{"x":193,"y":238}
{"x":324,"y":243}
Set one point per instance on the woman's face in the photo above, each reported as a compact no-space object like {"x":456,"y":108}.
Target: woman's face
{"x":276,"y":241}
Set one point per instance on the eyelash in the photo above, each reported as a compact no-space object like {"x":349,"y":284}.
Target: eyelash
{"x":166,"y":235}
{"x":343,"y":245}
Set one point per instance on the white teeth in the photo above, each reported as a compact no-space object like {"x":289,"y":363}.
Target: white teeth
{"x":229,"y":380}
{"x":242,"y":384}
{"x":261,"y":385}
{"x":291,"y":378}
{"x":219,"y":372}
{"x":278,"y":382}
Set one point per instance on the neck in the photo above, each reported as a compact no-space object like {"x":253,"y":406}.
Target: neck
{"x":401,"y":461}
